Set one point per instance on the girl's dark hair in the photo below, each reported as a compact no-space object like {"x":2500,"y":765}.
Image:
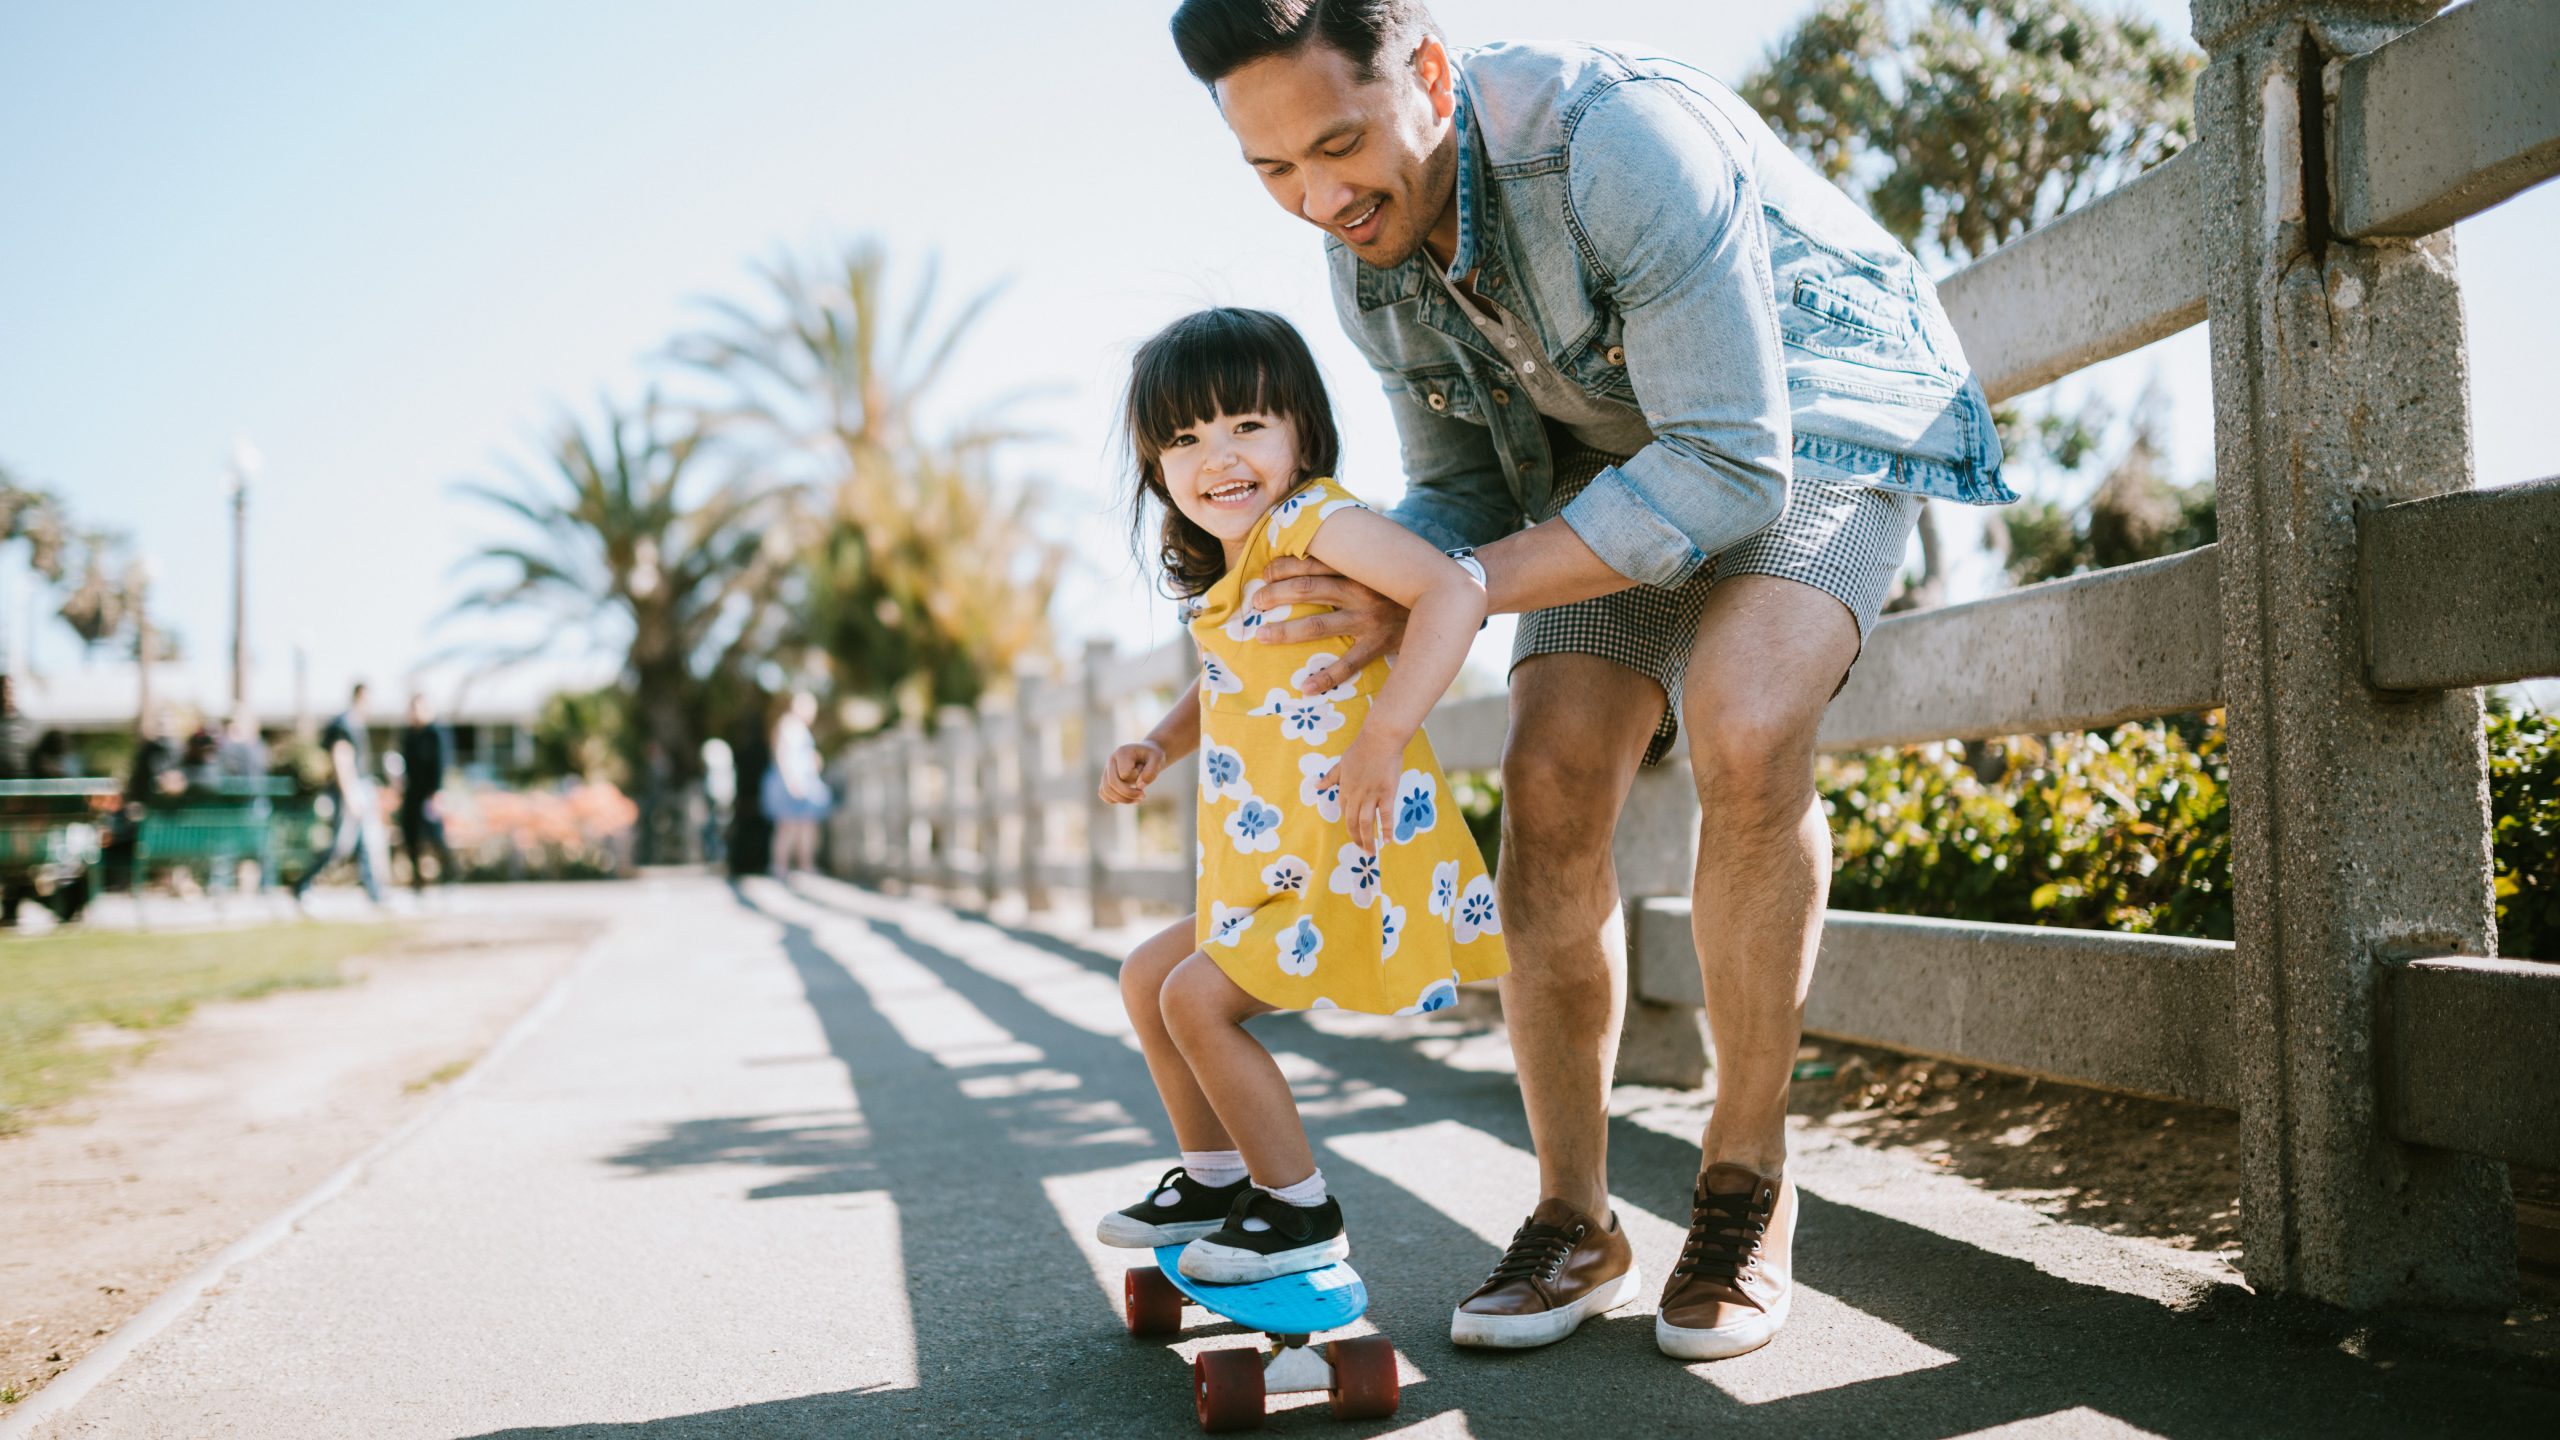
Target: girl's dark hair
{"x":1219,"y":37}
{"x":1215,"y":362}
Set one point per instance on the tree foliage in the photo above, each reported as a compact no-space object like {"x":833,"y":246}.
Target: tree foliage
{"x":1964,"y":124}
{"x":923,"y":575}
{"x":94,"y":571}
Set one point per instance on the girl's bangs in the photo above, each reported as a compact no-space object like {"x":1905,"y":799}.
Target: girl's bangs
{"x":1191,"y":376}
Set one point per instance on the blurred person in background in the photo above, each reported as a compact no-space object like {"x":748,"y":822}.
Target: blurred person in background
{"x":200,"y":764}
{"x":52,"y":758}
{"x":244,"y":750}
{"x":426,"y":752}
{"x":719,"y":791}
{"x":359,"y":817}
{"x":17,"y":736}
{"x":796,"y":797}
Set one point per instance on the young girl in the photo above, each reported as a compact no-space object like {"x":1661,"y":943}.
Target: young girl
{"x":1335,"y":873}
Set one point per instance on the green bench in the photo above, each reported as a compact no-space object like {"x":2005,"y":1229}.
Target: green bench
{"x":212,"y":828}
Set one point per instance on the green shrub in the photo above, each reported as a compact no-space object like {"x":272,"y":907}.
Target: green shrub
{"x":2524,"y":829}
{"x":2128,"y":830}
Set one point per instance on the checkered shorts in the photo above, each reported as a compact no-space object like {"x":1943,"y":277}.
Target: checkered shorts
{"x":1844,"y":540}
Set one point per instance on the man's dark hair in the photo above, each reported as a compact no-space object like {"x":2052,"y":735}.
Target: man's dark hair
{"x":356,"y":693}
{"x":1219,"y":37}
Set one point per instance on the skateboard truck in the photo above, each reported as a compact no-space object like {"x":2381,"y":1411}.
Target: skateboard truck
{"x":1228,"y":1386}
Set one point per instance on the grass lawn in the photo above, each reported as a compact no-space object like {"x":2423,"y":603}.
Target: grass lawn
{"x":53,"y":987}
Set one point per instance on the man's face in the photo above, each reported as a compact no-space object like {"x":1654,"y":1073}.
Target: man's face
{"x":1374,"y":164}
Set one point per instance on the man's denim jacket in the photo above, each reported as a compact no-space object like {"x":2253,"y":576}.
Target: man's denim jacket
{"x":1671,"y":254}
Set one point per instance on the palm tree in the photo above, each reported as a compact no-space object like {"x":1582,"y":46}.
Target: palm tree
{"x":830,"y":386}
{"x":629,"y":538}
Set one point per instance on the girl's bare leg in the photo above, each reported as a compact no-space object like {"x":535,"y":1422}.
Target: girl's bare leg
{"x":1142,"y":980}
{"x":1205,"y":1013}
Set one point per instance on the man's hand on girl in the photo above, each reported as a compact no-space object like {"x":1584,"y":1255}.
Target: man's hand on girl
{"x":1130,"y":770}
{"x":1375,"y":623}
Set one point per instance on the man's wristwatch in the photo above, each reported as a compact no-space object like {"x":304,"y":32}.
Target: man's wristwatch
{"x":1465,"y":555}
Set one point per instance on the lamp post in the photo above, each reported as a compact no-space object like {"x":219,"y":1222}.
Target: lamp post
{"x":245,"y":465}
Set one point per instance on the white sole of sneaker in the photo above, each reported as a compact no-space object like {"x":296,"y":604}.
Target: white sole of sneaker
{"x":1223,"y":1265}
{"x":1722,"y":1342}
{"x":1128,"y":1234}
{"x":1528,"y":1332}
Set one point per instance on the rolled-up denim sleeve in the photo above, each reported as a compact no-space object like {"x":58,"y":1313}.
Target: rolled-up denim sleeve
{"x":1674,"y":225}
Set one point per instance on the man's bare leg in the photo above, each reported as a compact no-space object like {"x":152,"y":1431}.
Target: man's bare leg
{"x":1579,"y":727}
{"x":1769,"y":654}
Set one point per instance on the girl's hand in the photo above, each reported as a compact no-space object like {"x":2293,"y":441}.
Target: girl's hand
{"x":1367,"y":774}
{"x":1130,"y":770}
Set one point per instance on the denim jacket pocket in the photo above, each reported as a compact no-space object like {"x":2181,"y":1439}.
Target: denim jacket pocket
{"x":1601,"y":366}
{"x":1445,"y":390}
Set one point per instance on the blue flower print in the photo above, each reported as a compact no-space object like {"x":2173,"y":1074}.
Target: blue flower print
{"x":1308,"y":718}
{"x":1390,"y":928}
{"x":1317,"y":787}
{"x":1417,"y":804}
{"x":1222,"y":774}
{"x":1438,"y":995}
{"x":1216,"y":678}
{"x":1287,"y":875}
{"x":1254,"y":826}
{"x":1444,"y":888}
{"x":1477,"y":912}
{"x":1298,"y":946}
{"x":1355,"y":873}
{"x":1227,"y":923}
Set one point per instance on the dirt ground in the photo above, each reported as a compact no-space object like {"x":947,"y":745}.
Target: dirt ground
{"x":234,"y":1115}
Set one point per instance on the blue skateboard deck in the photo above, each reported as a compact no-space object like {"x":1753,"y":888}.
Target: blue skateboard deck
{"x":1299,"y":1304}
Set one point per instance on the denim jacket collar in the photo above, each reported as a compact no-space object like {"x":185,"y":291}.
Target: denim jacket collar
{"x":1476,"y":249}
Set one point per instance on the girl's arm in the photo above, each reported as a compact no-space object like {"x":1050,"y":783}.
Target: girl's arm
{"x":1178,"y":733}
{"x":1447,"y":606}
{"x":1133,"y":767}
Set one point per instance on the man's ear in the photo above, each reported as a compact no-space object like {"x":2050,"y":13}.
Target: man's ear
{"x":1439,"y":77}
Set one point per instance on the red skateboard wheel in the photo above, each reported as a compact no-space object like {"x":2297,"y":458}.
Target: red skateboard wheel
{"x":1151,"y":1303}
{"x":1228,"y":1386}
{"x":1364,"y":1378}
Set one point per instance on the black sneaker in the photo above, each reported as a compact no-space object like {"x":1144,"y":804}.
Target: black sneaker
{"x":1179,"y":1210}
{"x":1266,"y":1237}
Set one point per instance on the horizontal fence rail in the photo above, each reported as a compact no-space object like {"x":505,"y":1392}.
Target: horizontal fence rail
{"x":2144,"y":1014}
{"x":2449,"y":119}
{"x":2100,"y":282}
{"x":2463,"y":589}
{"x":2077,"y":654}
{"x":2469,"y":1059}
{"x":2342,"y":643}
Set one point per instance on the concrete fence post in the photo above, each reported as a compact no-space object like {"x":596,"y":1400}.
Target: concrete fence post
{"x":951,"y":813}
{"x":897,"y":808}
{"x":1655,"y":850}
{"x":1031,"y":767}
{"x":1104,"y":825}
{"x":915,"y":834}
{"x":988,"y":729}
{"x":2359,"y":821}
{"x":850,"y":823}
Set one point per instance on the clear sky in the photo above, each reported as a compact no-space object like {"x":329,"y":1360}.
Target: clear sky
{"x":389,"y":243}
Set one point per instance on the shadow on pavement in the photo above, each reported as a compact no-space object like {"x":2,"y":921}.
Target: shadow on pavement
{"x":1012,"y":1335}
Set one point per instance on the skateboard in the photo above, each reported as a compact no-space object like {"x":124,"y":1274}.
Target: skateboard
{"x":1358,"y":1375}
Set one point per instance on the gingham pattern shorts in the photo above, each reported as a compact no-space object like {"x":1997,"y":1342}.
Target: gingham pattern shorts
{"x":1842,"y":539}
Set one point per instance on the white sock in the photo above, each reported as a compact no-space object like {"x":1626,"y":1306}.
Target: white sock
{"x":1214,"y":1168}
{"x":1306,"y":1194}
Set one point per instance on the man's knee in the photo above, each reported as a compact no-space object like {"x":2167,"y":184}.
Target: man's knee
{"x":1751,"y":754}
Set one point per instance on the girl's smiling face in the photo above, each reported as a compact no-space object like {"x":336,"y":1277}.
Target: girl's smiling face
{"x":1223,"y":473}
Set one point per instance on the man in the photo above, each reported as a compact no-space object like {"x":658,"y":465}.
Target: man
{"x":425,"y":749}
{"x":1686,"y":397}
{"x":359,"y":824}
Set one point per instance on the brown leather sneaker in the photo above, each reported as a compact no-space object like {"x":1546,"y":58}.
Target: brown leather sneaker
{"x":1563,"y":1267}
{"x":1728,"y":1295}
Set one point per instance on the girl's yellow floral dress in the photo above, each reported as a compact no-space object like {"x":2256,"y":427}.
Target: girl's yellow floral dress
{"x":1290,"y":909}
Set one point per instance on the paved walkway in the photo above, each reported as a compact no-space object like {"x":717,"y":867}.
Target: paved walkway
{"x":819,"y":1162}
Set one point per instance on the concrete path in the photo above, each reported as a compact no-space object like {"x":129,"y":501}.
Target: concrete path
{"x":819,"y":1162}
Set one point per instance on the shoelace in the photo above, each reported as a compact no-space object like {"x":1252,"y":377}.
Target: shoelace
{"x":1535,"y":1252}
{"x":1724,"y":1230}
